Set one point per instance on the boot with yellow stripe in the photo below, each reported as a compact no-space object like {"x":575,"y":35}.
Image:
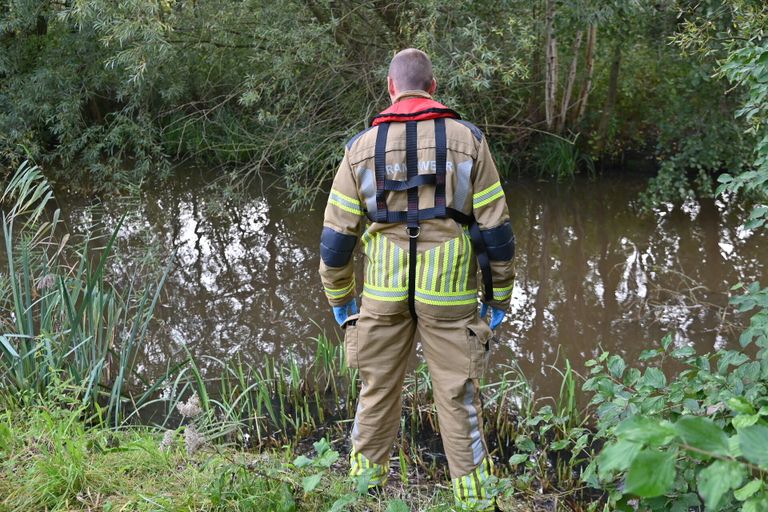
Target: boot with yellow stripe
{"x":471,"y":491}
{"x":361,"y":466}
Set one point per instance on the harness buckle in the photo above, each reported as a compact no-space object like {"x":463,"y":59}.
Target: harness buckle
{"x":411,"y":234}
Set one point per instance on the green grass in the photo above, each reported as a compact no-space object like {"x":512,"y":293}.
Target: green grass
{"x":52,"y":461}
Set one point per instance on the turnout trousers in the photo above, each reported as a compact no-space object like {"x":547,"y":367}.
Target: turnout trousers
{"x":380,"y":346}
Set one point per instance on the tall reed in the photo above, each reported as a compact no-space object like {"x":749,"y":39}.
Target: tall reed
{"x":66,"y":321}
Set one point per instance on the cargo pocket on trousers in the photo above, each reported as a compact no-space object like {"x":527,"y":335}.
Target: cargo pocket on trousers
{"x":479,"y":342}
{"x":350,"y":340}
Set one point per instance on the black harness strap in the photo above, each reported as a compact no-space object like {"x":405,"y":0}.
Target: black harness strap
{"x":441,"y":152}
{"x":482,"y":258}
{"x":416,"y":181}
{"x":412,"y":163}
{"x":414,"y":216}
{"x":380,"y":164}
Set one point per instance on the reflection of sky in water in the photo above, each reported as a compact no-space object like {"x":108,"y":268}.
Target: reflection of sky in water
{"x":592,"y":273}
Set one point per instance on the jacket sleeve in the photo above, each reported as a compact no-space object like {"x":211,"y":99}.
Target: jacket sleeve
{"x":490,"y":209}
{"x":342,"y":225}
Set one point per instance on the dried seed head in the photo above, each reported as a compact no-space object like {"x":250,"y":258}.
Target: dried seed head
{"x":193,"y":439}
{"x":167,"y":441}
{"x":46,"y":282}
{"x":192,"y":408}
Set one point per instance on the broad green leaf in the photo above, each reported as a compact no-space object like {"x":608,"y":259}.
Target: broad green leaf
{"x":617,"y":457}
{"x":740,"y":405}
{"x":322,"y":446}
{"x":302,"y":461}
{"x":753,"y":441}
{"x":756,"y":504}
{"x":654,"y":378}
{"x":286,"y":503}
{"x":525,"y":443}
{"x":744,"y":420}
{"x":397,"y":506}
{"x":616,"y":366}
{"x":309,"y":483}
{"x":518,"y":458}
{"x":327,"y":459}
{"x":748,"y":490}
{"x":717,"y":479}
{"x":652,"y":473}
{"x":702,"y":434}
{"x":646,"y":431}
{"x":343,"y":503}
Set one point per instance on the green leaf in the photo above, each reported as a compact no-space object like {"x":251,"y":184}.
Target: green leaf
{"x":748,"y":490}
{"x":702,"y":434}
{"x":654,"y":378}
{"x":286,"y":503}
{"x":757,"y":504}
{"x":302,"y":461}
{"x":744,"y":420}
{"x":8,"y":347}
{"x":652,"y":473}
{"x":327,"y":459}
{"x":322,"y":446}
{"x":717,"y":479}
{"x":518,"y":459}
{"x":740,"y":405}
{"x":616,"y":366}
{"x":309,"y":483}
{"x":398,"y":506}
{"x":525,"y":443}
{"x":646,"y":431}
{"x":342,"y":503}
{"x":753,"y":442}
{"x":617,"y":457}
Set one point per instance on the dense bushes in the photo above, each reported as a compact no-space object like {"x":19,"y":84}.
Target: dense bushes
{"x":113,"y":92}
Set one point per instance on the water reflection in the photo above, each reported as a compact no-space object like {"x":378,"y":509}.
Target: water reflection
{"x":592,"y":272}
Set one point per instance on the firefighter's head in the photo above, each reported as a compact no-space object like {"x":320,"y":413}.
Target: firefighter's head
{"x":410,"y":70}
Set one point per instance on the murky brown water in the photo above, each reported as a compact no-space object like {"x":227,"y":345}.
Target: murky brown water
{"x":592,"y":272}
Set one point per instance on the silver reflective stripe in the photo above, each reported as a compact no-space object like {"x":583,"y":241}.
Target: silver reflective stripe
{"x":390,"y":293}
{"x":355,"y":426}
{"x":463,"y":173}
{"x":478,"y":450}
{"x":366,"y":181}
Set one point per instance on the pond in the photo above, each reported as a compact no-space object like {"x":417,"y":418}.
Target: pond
{"x":592,"y":272}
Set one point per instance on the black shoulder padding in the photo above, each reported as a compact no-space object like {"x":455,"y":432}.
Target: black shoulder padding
{"x":356,"y":136}
{"x":336,"y":248}
{"x":477,"y":132}
{"x":499,"y":242}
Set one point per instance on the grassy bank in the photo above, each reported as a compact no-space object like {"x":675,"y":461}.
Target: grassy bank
{"x":52,"y":460}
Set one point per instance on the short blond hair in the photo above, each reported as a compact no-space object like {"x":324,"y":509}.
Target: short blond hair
{"x":411,"y":69}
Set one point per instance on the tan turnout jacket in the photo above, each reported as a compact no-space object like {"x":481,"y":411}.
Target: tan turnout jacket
{"x":447,"y":280}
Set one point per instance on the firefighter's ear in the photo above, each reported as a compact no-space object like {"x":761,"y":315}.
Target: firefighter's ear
{"x":432,"y":87}
{"x":391,"y":88}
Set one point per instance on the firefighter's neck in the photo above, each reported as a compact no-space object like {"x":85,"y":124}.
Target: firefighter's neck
{"x":396,"y":95}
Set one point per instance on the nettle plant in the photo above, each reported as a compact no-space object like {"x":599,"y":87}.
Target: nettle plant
{"x":697,"y":442}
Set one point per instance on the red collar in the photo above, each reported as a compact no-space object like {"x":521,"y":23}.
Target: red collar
{"x":413,"y":109}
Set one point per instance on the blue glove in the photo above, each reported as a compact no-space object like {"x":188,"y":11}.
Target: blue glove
{"x":497,"y":315}
{"x":341,"y":313}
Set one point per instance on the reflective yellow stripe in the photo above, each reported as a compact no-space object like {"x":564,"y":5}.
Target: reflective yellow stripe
{"x":346,"y":208}
{"x":336,"y":293}
{"x":487,"y":195}
{"x":502,"y":293}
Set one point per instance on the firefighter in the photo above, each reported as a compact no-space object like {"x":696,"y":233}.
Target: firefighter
{"x":420,"y":191}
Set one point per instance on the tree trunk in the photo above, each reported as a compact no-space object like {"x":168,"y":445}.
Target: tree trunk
{"x":610,"y":101}
{"x":551,"y":75}
{"x":590,"y":66}
{"x":565,"y":103}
